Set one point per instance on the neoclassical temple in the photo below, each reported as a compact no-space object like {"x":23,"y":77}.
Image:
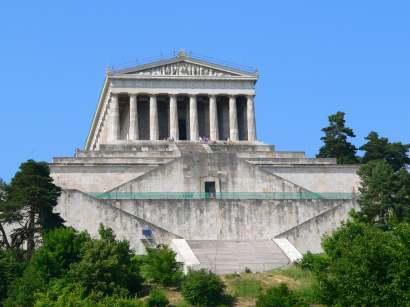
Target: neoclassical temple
{"x":184,"y":99}
{"x":157,"y":168}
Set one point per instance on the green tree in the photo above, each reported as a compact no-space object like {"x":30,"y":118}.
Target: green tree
{"x":11,"y":267}
{"x":4,"y":215}
{"x":31,"y":197}
{"x":379,"y":148}
{"x":336,"y":144}
{"x":384,"y":194}
{"x":366,"y":266}
{"x":161,"y":266}
{"x":279,"y":296}
{"x":203,"y":288}
{"x":107,"y":267}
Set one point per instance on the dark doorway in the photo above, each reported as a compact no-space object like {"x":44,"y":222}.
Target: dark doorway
{"x":182,"y":129}
{"x":210,"y":189}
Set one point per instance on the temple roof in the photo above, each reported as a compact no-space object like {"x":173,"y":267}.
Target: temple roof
{"x":183,"y":66}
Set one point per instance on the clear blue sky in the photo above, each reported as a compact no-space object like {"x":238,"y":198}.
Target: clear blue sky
{"x":314,"y":58}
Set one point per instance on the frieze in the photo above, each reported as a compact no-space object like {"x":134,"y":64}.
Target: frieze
{"x":183,"y":69}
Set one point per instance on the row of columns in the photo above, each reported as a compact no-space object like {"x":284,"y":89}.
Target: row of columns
{"x":173,"y":118}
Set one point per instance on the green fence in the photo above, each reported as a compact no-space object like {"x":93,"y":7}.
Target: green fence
{"x":221,"y":195}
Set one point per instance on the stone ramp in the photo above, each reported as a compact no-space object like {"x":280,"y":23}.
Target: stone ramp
{"x":229,"y":256}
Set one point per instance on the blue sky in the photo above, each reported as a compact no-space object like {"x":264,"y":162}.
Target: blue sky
{"x":314,"y":58}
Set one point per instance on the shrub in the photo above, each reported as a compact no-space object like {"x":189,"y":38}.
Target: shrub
{"x":279,"y":296}
{"x":161,"y":266}
{"x":314,"y":262}
{"x":203,"y":288}
{"x":76,"y":296}
{"x":157,"y":299}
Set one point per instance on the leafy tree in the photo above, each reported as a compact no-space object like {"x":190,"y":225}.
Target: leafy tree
{"x":106,"y":268}
{"x":161,"y":266}
{"x":157,"y":299}
{"x":279,"y":296}
{"x":22,"y":290}
{"x":203,"y":288}
{"x":366,"y":266}
{"x":11,"y":267}
{"x":61,"y":248}
{"x":379,"y":148}
{"x":384,"y":194}
{"x":336,"y":144}
{"x":31,"y":197}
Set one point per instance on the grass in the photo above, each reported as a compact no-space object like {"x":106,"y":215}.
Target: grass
{"x":246,"y":287}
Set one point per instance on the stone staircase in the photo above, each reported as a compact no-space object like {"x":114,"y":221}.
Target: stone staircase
{"x":230,"y":256}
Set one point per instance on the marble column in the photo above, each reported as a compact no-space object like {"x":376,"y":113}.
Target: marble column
{"x":233,"y":119}
{"x":213,"y":119}
{"x":133,"y":131}
{"x":173,"y":117}
{"x":250,"y":117}
{"x":193,"y":118}
{"x":153,"y":118}
{"x":115,"y":118}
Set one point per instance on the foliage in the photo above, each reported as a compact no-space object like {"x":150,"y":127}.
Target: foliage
{"x":157,"y":299}
{"x":367,"y":266}
{"x":314,"y":262}
{"x":61,"y":248}
{"x":11,"y":267}
{"x":279,"y":296}
{"x":336,"y":144}
{"x":203,"y":288}
{"x":106,"y":267}
{"x":385,"y":194}
{"x":246,"y":287}
{"x":31,"y":197}
{"x":22,"y":290}
{"x":379,"y":148}
{"x":161,"y":266}
{"x":76,"y":297}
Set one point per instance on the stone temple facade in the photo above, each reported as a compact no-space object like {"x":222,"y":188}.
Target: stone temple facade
{"x":172,"y":158}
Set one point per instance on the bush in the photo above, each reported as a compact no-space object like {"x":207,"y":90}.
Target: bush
{"x":314,"y":262}
{"x":76,"y":296}
{"x":157,"y":299}
{"x":279,"y":296}
{"x":161,"y":266}
{"x":203,"y":288}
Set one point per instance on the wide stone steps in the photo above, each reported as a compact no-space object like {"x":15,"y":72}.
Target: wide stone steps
{"x":230,"y":256}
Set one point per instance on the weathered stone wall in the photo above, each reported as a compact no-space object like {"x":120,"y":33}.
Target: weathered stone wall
{"x":321,"y":178}
{"x":186,"y":174}
{"x":87,"y":213}
{"x":207,"y":219}
{"x":308,"y":235}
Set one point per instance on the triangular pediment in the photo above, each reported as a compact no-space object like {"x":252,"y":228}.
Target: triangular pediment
{"x":184,"y":67}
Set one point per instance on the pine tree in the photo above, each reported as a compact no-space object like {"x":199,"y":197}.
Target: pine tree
{"x":336,"y":144}
{"x":31,"y":197}
{"x":379,"y":148}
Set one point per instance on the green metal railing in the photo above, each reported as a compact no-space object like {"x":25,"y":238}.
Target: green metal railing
{"x":222,"y":195}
